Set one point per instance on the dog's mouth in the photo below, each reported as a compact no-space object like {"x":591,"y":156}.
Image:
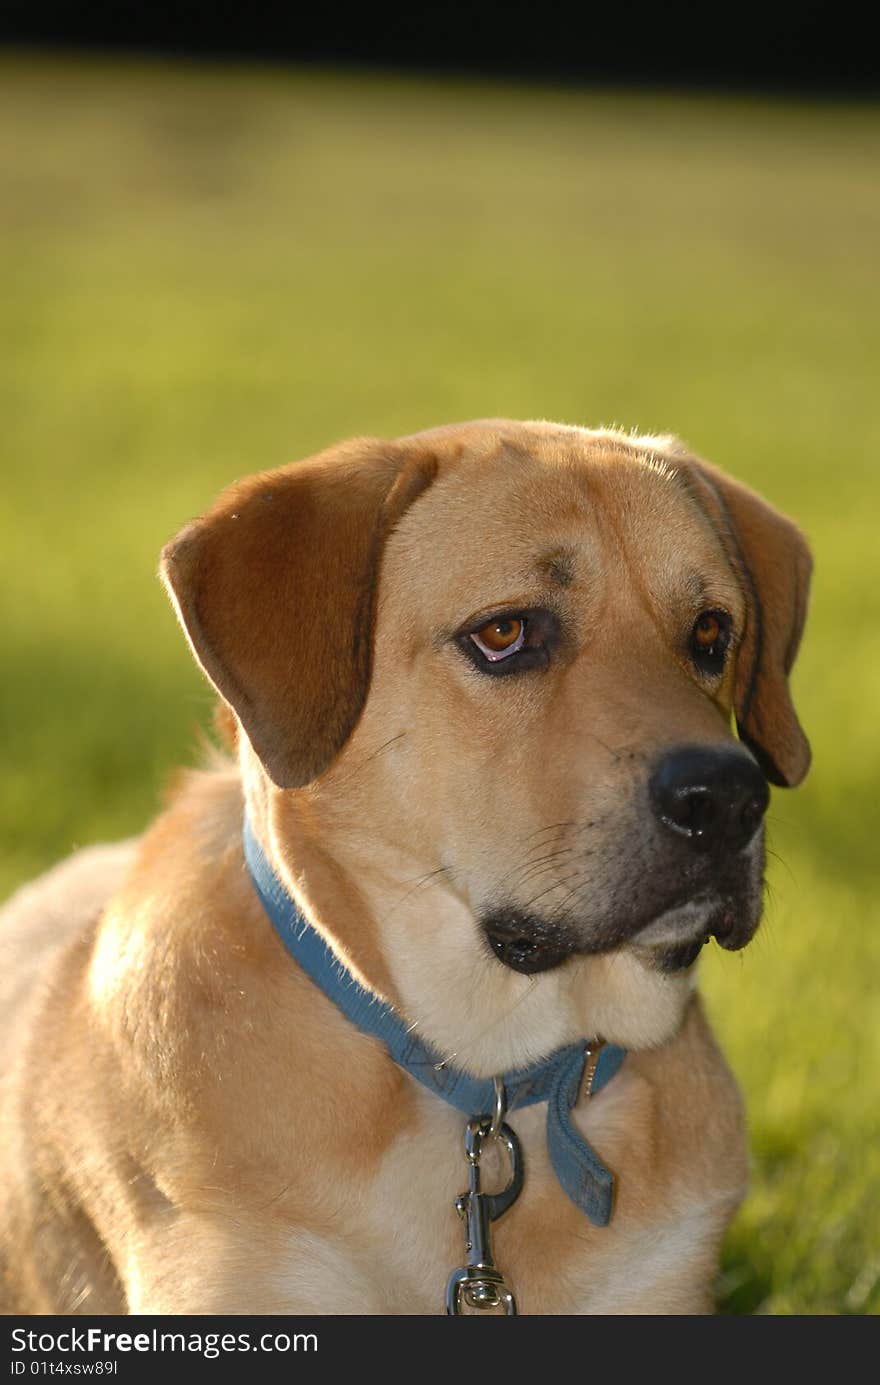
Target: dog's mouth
{"x":674,"y":940}
{"x":527,"y":943}
{"x":671,"y":941}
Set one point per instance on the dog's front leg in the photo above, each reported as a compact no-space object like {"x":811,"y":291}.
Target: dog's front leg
{"x":242,"y":1265}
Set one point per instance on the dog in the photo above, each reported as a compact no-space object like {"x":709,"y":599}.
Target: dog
{"x":480,"y":684}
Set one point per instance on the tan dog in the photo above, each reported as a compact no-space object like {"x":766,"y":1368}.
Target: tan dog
{"x":482,"y":682}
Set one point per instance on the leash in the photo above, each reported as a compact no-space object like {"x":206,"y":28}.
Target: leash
{"x":556,"y":1079}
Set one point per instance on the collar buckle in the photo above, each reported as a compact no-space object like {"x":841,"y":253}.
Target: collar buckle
{"x":592,"y":1054}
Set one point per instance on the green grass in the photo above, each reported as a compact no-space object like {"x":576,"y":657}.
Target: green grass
{"x":206,"y":271}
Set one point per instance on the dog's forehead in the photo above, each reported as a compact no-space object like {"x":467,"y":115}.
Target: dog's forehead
{"x":513,"y":505}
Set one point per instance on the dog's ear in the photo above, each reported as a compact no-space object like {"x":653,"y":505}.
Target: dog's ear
{"x":275,"y":588}
{"x":772,"y":561}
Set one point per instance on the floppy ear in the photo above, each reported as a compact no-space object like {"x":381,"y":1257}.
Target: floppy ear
{"x":772,"y":561}
{"x":275,"y":588}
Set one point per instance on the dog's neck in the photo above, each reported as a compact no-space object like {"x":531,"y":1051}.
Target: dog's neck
{"x":403,"y":932}
{"x":558,"y":1080}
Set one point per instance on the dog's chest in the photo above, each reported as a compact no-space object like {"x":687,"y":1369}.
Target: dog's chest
{"x":400,"y":1236}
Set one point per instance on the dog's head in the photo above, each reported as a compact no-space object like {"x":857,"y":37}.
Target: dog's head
{"x":497,"y":665}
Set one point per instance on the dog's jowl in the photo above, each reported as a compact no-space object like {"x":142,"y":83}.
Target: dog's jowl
{"x":501,"y":704}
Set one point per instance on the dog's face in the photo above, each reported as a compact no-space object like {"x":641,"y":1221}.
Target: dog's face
{"x":501,"y":664}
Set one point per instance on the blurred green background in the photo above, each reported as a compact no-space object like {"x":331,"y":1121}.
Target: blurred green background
{"x":208,"y":270}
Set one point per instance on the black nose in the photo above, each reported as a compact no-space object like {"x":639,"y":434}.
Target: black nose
{"x":713,"y":798}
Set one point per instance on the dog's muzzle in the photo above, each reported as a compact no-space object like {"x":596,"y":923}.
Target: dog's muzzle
{"x":698,"y":877}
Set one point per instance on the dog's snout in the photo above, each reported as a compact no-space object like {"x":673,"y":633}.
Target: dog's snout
{"x":713,"y":799}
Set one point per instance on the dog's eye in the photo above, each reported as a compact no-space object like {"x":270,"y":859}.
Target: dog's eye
{"x":510,"y":641}
{"x":500,"y":638}
{"x":710,"y":639}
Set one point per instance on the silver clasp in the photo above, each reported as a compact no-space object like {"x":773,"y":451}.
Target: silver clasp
{"x":478,"y":1284}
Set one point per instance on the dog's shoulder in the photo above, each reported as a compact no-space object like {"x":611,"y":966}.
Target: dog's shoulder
{"x":43,"y":917}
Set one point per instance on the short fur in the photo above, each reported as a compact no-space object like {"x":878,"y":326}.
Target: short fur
{"x":188,"y":1124}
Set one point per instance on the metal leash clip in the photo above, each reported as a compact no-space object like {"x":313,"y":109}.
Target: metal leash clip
{"x":478,"y":1284}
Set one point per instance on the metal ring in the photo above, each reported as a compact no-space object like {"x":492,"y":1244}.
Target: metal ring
{"x":500,"y":1108}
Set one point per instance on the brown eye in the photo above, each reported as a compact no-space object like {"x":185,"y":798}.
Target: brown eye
{"x":510,"y":643}
{"x":500,"y":638}
{"x":710,"y":638}
{"x":707,"y":630}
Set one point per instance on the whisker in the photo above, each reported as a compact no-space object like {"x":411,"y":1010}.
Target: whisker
{"x":583,"y":884}
{"x":539,"y":850}
{"x":556,"y":884}
{"x":552,"y":827}
{"x":541,"y":866}
{"x":782,"y":861}
{"x":353,"y":770}
{"x":533,"y":981}
{"x":421,"y":882}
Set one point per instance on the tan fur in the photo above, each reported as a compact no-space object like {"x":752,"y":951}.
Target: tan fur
{"x":189,"y":1125}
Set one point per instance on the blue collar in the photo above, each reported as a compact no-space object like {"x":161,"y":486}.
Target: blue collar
{"x":556,"y":1079}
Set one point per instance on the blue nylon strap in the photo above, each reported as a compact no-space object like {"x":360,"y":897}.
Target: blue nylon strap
{"x":555,"y":1079}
